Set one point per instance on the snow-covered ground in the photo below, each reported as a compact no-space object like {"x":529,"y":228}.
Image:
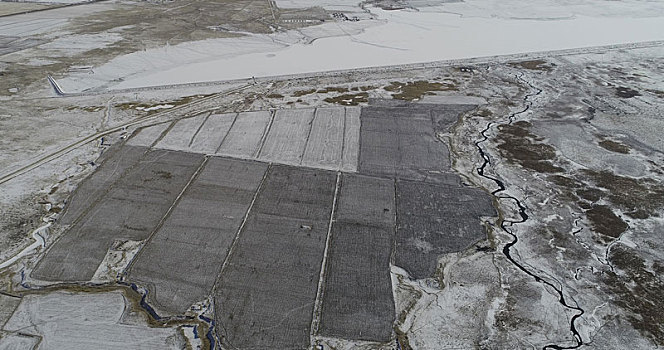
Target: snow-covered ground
{"x":59,"y":2}
{"x":75,"y":44}
{"x":83,"y":321}
{"x":37,"y":235}
{"x":432,"y":32}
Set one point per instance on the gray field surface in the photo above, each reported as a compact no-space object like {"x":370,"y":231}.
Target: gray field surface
{"x":212,"y":133}
{"x":265,"y":296}
{"x":498,"y":202}
{"x":288,"y":135}
{"x":7,"y":306}
{"x":181,"y":134}
{"x":132,"y":208}
{"x":181,"y":262}
{"x":444,"y":116}
{"x":366,"y":200}
{"x":111,"y":168}
{"x":434,"y":220}
{"x":300,"y":193}
{"x":253,"y":234}
{"x":326,"y":139}
{"x":147,"y":136}
{"x":400,"y":142}
{"x":357,"y":300}
{"x":351,"y":148}
{"x":246,"y":135}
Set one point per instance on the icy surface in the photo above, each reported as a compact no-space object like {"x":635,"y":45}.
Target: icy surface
{"x":67,"y":321}
{"x":432,"y":33}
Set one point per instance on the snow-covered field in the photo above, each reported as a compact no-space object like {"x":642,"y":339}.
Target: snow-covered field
{"x":433,"y":31}
{"x":59,"y":2}
{"x":83,"y":321}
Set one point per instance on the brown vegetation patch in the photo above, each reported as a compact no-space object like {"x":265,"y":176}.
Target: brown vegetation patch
{"x":626,"y":92}
{"x":349,"y":99}
{"x":332,"y":89}
{"x":605,"y":222}
{"x":275,"y":96}
{"x":658,"y":267}
{"x":483,"y":112}
{"x":564,"y":181}
{"x":584,"y":205}
{"x":638,"y":292}
{"x":417,"y":89}
{"x":402,"y":339}
{"x":85,"y":108}
{"x":301,"y":93}
{"x":511,"y":316}
{"x":517,"y":144}
{"x":540,"y":65}
{"x":659,"y":93}
{"x":590,"y":194}
{"x":638,"y":198}
{"x":614,"y":146}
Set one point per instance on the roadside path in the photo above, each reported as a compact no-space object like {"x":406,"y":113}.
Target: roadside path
{"x":179,"y":111}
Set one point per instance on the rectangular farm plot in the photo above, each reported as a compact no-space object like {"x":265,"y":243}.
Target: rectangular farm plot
{"x":351,"y":147}
{"x":423,"y":158}
{"x":408,"y":111}
{"x":396,"y":143}
{"x":288,"y":135}
{"x":357,"y":300}
{"x":265,"y":296}
{"x":147,"y":136}
{"x":419,"y":150}
{"x":212,"y":133}
{"x":325,"y":138}
{"x":435,"y":220}
{"x":131,"y":210}
{"x":182,"y":133}
{"x":245,"y":137}
{"x":325,"y":146}
{"x":379,"y":146}
{"x":379,"y":153}
{"x":115,"y":163}
{"x":297,"y":193}
{"x":366,"y":200}
{"x":181,"y":262}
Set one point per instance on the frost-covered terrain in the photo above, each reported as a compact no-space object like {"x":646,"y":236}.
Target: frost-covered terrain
{"x":413,"y":35}
{"x":567,"y":144}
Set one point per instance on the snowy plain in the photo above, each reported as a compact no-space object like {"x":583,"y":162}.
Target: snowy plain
{"x":434,"y":31}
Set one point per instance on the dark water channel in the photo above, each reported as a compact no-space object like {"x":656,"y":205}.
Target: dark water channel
{"x":507,"y":224}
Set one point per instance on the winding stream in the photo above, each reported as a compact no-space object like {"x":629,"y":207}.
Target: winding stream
{"x":506,"y":224}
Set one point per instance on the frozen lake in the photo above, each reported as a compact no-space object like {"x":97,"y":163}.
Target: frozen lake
{"x":433,"y":33}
